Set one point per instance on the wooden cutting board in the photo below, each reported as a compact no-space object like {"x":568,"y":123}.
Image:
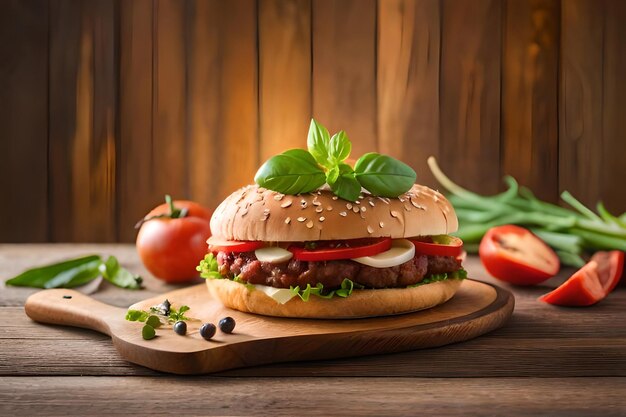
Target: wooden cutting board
{"x":477,"y":308}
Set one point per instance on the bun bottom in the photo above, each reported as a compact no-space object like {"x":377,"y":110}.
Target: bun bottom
{"x":360,"y":304}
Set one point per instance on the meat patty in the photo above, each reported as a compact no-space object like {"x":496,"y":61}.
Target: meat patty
{"x":331,"y":273}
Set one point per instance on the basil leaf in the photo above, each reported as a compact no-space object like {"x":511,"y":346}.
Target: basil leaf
{"x":318,"y":142}
{"x":339,"y":147}
{"x":76,"y":276}
{"x":346,"y":186}
{"x":38,"y":277}
{"x":383,"y":175}
{"x":292,"y":172}
{"x":137,"y":315}
{"x":113,"y":272}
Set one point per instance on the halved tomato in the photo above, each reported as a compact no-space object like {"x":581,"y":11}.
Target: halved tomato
{"x":237,"y":246}
{"x":440,"y":245}
{"x":591,"y":283}
{"x":515,"y":255}
{"x":339,"y":249}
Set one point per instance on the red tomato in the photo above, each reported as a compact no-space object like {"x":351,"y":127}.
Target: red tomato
{"x":171,"y":248}
{"x":591,"y":283}
{"x":343,"y":249}
{"x":515,"y":255}
{"x":237,"y":246}
{"x":438,"y":245}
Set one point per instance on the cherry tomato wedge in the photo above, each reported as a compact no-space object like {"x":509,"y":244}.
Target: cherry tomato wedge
{"x":515,"y":255}
{"x":442,"y":245}
{"x":591,"y":283}
{"x":237,"y":246}
{"x":340,"y":249}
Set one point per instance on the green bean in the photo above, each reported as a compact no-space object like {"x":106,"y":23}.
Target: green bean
{"x":608,"y":217}
{"x":570,"y":259}
{"x":561,"y":241}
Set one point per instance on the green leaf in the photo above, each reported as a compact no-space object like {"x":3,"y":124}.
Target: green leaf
{"x":113,"y":272}
{"x":346,"y":186}
{"x":76,"y":276}
{"x":292,"y":172}
{"x":153,"y":321}
{"x":148,"y":332}
{"x":208,"y":267}
{"x":383,"y":175}
{"x":318,"y":142}
{"x":38,"y":277}
{"x":339,"y":147}
{"x":137,"y":315}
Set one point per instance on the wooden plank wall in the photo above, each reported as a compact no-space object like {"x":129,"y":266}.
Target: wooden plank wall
{"x":106,"y":105}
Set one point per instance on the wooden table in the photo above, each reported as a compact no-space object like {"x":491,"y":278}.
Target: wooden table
{"x":545,"y":361}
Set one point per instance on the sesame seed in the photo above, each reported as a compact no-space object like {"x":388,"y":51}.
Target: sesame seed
{"x":415,"y":204}
{"x":260,"y":190}
{"x":407,"y":208}
{"x":319,"y":209}
{"x":335,"y":197}
{"x":244,"y":212}
{"x":288,"y":220}
{"x":355,"y":209}
{"x":263,"y":218}
{"x":381,"y":224}
{"x":286,"y":204}
{"x":309,"y":225}
{"x":322,"y":218}
{"x":303,"y":204}
{"x":316,"y":203}
{"x":370,"y":230}
{"x":343,"y":214}
{"x":357,"y":202}
{"x":329,"y":208}
{"x":363,"y":209}
{"x":349,"y":206}
{"x":401,"y":199}
{"x":371,"y":203}
{"x":278,"y":197}
{"x":301,"y":219}
{"x":394,"y":213}
{"x":266,"y":211}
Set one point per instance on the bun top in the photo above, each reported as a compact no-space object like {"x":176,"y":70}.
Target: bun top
{"x":255,"y":213}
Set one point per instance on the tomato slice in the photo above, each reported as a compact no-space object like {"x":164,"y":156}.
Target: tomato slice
{"x":339,"y":249}
{"x":591,"y":283}
{"x":441,"y":245}
{"x":237,"y":246}
{"x":515,"y":255}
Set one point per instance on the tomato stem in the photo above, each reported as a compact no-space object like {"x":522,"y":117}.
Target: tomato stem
{"x":174,"y":212}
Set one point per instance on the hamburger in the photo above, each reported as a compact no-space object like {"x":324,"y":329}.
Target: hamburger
{"x":315,"y":255}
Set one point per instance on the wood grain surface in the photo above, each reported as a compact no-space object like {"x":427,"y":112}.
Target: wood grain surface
{"x":106,"y":105}
{"x":476,"y":309}
{"x":546,"y":361}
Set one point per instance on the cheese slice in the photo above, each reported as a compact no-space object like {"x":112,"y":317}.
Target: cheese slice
{"x":273,"y":254}
{"x":280,"y":295}
{"x":401,"y":251}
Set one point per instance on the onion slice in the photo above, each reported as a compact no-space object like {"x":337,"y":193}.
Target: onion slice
{"x":402,"y":250}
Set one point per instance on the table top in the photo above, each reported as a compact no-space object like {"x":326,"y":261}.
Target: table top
{"x":545,"y":361}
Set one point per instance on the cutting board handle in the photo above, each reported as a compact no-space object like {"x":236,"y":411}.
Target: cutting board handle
{"x":70,"y":308}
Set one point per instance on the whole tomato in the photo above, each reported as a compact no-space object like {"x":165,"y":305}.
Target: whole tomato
{"x":172,"y":239}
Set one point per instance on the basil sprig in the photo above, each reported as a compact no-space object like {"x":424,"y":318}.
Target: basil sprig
{"x":75,"y":272}
{"x":299,"y":171}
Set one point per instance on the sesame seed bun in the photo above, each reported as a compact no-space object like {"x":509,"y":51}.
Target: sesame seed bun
{"x":255,"y":213}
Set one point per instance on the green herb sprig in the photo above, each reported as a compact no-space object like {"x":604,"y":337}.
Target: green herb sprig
{"x":300,"y":171}
{"x":75,"y":272}
{"x":571,"y":233}
{"x":157,"y":316}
